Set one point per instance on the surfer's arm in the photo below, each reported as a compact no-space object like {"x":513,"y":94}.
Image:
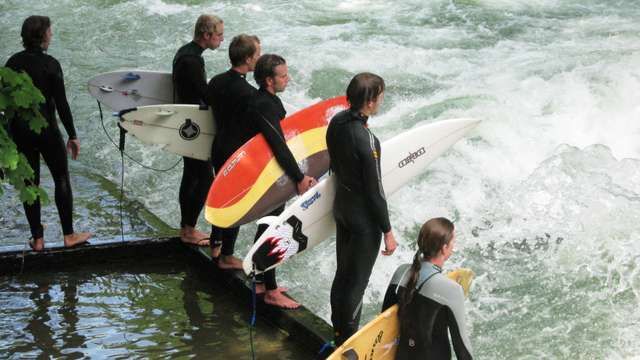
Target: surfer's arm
{"x":369,"y":157}
{"x":391,"y":296}
{"x":60,"y":98}
{"x":193,"y":72}
{"x":457,"y":328}
{"x":273,"y":134}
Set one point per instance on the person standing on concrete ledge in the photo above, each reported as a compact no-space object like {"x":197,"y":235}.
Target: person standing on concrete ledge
{"x":190,"y":86}
{"x":360,"y":206}
{"x":46,"y":73}
{"x":229,"y":94}
{"x":265,"y":113}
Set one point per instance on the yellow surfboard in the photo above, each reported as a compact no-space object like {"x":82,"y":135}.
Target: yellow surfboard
{"x":378,"y":340}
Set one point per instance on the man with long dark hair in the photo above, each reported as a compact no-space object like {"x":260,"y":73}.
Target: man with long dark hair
{"x":360,"y":206}
{"x":46,"y":73}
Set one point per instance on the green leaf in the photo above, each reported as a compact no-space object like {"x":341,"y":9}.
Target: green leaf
{"x":4,"y":101}
{"x":19,"y":100}
{"x":9,"y":159}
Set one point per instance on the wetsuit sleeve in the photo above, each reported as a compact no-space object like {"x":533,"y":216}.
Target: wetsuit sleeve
{"x":269,"y":126}
{"x":193,"y":74}
{"x":369,"y":156}
{"x":456,"y":317}
{"x":391,"y":296}
{"x":60,"y":98}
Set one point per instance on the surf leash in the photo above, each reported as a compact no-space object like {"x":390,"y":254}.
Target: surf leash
{"x":120,"y":147}
{"x":326,"y":346}
{"x":125,"y":153}
{"x":252,"y":322}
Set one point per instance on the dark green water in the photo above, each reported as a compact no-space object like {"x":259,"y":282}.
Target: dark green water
{"x":158,"y":308}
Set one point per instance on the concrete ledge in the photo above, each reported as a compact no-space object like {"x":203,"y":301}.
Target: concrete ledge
{"x":301,"y":324}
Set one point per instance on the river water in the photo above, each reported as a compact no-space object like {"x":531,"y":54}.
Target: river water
{"x":545,"y":193}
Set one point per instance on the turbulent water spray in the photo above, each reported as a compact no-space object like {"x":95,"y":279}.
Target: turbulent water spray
{"x":545,"y":193}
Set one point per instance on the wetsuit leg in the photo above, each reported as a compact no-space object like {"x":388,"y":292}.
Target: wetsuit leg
{"x":54,"y":154}
{"x":268,"y":277}
{"x":26,"y":142}
{"x":226,"y":236}
{"x":356,"y":249}
{"x":197,"y":176}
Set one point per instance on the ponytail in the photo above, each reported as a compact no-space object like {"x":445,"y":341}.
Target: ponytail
{"x":407,"y":295}
{"x":434,"y":235}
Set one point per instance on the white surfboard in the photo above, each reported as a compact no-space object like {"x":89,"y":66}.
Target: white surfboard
{"x":309,"y":219}
{"x":130,"y":88}
{"x":186,"y":130}
{"x":126,"y":89}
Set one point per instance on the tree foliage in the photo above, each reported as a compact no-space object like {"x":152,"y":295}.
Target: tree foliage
{"x":19,"y":101}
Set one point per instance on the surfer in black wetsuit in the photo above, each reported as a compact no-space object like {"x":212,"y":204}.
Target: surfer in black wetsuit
{"x":360,"y":207}
{"x":228,"y":94}
{"x":46,"y":73}
{"x":264,"y":115}
{"x":431,"y":306}
{"x":190,"y":86}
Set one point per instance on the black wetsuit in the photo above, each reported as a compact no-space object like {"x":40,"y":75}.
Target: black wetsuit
{"x":229,"y":94}
{"x":264,"y":115}
{"x":436,"y":309}
{"x":190,"y":85}
{"x":46,"y":74}
{"x":360,"y":211}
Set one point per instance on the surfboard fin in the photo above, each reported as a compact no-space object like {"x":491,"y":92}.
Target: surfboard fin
{"x":350,"y":354}
{"x":267,"y":220}
{"x":165,"y":112}
{"x":131,"y":77}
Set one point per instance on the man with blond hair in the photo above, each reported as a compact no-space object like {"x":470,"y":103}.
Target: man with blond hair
{"x":190,"y":86}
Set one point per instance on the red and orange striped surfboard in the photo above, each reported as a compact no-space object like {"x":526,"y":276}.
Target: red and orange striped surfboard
{"x":252,"y":183}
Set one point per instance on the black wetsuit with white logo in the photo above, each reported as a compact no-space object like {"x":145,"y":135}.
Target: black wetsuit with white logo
{"x":435,"y":311}
{"x":263,"y":116}
{"x":361,"y":214}
{"x":190,"y":85}
{"x":46,"y":73}
{"x":228,"y":94}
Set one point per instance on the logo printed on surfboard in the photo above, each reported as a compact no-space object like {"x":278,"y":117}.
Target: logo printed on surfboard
{"x":287,"y":241}
{"x":307,"y":203}
{"x":233,"y":163}
{"x":412,"y":157}
{"x":333,"y":111}
{"x":189,"y":130}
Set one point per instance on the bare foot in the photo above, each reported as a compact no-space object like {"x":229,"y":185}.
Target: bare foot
{"x":75,"y":239}
{"x":37,"y":244}
{"x":229,"y":262}
{"x":193,"y":236}
{"x":260,"y":289}
{"x":279,"y":299}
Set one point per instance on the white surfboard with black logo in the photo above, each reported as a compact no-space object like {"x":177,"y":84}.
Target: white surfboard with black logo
{"x":186,"y":130}
{"x":309,"y":219}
